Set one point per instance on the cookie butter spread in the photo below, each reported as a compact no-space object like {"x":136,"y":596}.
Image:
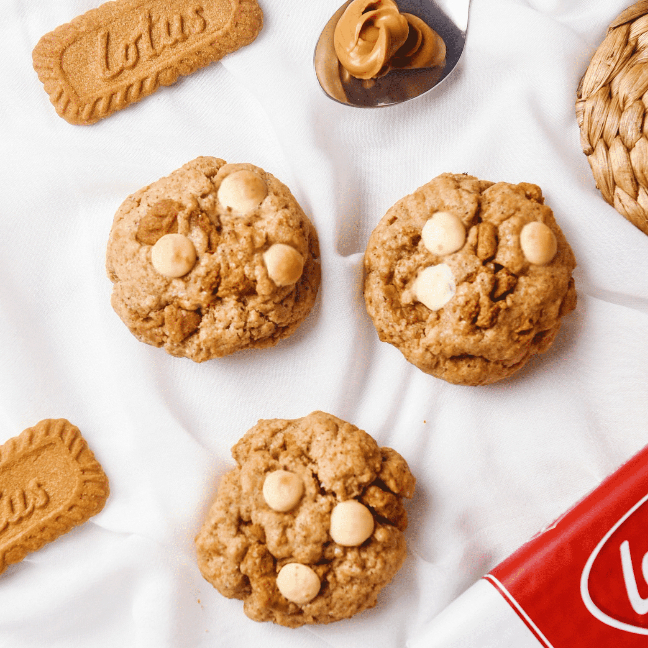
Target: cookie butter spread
{"x":373,"y":37}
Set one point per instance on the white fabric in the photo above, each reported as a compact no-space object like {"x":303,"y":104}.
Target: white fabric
{"x":480,"y":618}
{"x":494,"y":464}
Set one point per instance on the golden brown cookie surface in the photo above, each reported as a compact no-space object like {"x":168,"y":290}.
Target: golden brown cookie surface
{"x":124,"y":50}
{"x":286,"y":565}
{"x":468,"y":278}
{"x":50,"y":482}
{"x":188,"y":257}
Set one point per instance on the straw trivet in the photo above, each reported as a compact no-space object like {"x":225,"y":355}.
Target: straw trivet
{"x":611,"y":110}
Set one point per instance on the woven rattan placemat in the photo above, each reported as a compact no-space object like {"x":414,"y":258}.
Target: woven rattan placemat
{"x":611,"y":113}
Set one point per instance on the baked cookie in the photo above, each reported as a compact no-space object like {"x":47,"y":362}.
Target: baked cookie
{"x":50,"y":482}
{"x":309,"y":526}
{"x":212,"y":259}
{"x":124,"y":50}
{"x":469,"y":279}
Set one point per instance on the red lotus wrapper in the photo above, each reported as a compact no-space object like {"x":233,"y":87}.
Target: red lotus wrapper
{"x":581,"y":583}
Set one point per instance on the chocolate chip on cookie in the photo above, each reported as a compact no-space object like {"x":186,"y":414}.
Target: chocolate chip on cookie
{"x":468,"y":278}
{"x":212,"y":259}
{"x":308,"y":528}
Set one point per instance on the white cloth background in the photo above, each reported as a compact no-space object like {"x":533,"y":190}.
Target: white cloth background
{"x":494,"y":464}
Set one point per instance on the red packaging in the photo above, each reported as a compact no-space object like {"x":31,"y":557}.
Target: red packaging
{"x":581,"y":583}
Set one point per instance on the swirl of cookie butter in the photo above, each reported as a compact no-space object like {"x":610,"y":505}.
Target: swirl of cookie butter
{"x":373,"y":37}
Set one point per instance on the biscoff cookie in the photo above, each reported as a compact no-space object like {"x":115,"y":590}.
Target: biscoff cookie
{"x":468,"y":278}
{"x":213,"y":259}
{"x":308,"y":528}
{"x":50,"y":482}
{"x":123,"y":51}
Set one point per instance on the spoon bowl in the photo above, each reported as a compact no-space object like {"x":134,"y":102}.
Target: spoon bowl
{"x":448,"y":18}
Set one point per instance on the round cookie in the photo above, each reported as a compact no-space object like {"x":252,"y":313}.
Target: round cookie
{"x":470,"y":309}
{"x":283,"y":561}
{"x":212,"y":259}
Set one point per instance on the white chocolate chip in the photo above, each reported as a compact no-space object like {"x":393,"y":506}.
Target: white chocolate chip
{"x":282,"y":490}
{"x":435,"y":286}
{"x":443,"y":234}
{"x":174,"y":255}
{"x":285,"y":265}
{"x":538,"y":243}
{"x":242,"y":191}
{"x":351,"y":523}
{"x":298,"y":583}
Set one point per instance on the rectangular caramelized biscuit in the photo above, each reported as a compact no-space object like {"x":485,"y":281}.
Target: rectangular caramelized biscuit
{"x":50,"y":482}
{"x":122,"y":51}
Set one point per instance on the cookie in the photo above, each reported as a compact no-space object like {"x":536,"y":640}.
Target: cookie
{"x":213,"y":259}
{"x":469,"y":279}
{"x":50,"y":482}
{"x":308,"y":528}
{"x":122,"y":51}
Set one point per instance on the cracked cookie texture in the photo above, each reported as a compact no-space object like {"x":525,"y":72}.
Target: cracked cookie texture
{"x":343,"y":533}
{"x":469,"y":278}
{"x":212,"y":259}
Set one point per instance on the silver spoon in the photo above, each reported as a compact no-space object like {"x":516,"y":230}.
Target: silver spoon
{"x":448,"y":18}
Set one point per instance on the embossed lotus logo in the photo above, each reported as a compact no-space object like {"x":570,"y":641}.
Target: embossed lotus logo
{"x":614,"y":582}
